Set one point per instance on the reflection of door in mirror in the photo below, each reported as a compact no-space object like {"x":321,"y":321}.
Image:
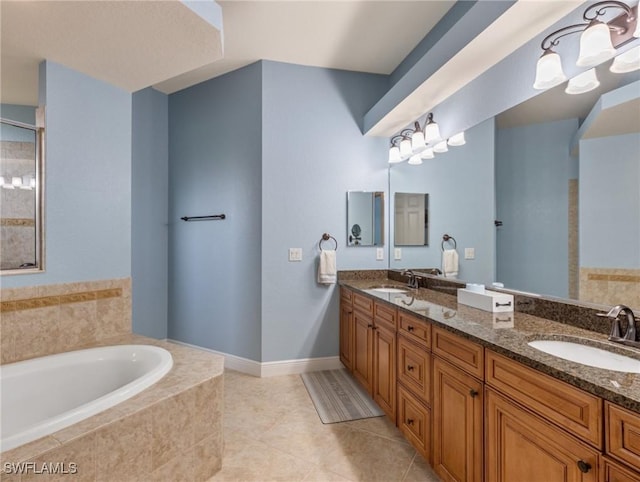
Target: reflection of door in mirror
{"x":19,"y":206}
{"x":411,"y":219}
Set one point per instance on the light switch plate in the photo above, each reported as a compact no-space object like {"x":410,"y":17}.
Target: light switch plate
{"x":295,"y":254}
{"x":469,"y":253}
{"x":379,"y":254}
{"x":397,"y":254}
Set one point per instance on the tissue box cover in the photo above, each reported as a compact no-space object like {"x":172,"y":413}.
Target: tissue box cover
{"x":487,"y":301}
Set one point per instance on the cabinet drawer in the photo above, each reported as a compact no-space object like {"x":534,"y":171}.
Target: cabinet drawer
{"x":623,"y":434}
{"x":385,"y":314}
{"x":569,"y":407}
{"x":345,"y":295}
{"x":458,"y":351}
{"x":416,"y":330}
{"x":362,"y":303}
{"x":414,"y":421}
{"x":414,"y":368}
{"x":612,"y":472}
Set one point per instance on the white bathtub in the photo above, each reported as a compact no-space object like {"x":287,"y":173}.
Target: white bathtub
{"x":43,"y":395}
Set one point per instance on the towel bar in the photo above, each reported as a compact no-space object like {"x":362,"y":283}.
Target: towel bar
{"x":327,"y":237}
{"x":446,"y":237}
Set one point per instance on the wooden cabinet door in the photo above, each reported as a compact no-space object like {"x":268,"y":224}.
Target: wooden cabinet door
{"x":384,"y":370}
{"x":362,"y":362}
{"x":457,"y":424}
{"x":521,"y":446}
{"x":346,"y":334}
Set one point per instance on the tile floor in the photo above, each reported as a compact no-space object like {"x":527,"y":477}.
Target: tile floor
{"x":273,"y":433}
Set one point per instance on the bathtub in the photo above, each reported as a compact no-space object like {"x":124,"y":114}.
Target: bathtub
{"x":43,"y":395}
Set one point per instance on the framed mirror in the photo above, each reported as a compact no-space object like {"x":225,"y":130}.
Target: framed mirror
{"x":21,"y":194}
{"x":365,"y":218}
{"x":411,"y":219}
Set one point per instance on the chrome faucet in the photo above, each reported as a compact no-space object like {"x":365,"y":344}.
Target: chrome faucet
{"x":413,"y":279}
{"x":629,"y":337}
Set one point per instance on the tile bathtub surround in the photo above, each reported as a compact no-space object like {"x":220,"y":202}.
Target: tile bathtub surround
{"x":611,"y":286}
{"x":42,"y":320}
{"x":171,"y":431}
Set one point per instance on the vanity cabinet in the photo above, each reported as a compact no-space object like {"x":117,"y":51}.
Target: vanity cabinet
{"x":457,"y":407}
{"x":362,"y":366}
{"x":522,"y":446}
{"x":346,"y":328}
{"x":384,"y":369}
{"x":414,"y":382}
{"x":613,"y":472}
{"x":622,"y":435}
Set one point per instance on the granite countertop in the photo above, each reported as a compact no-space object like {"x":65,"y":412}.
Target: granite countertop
{"x":509,"y":333}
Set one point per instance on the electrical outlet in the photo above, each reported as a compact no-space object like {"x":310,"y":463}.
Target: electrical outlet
{"x":469,"y":253}
{"x":295,"y":254}
{"x":379,"y":254}
{"x":397,"y":254}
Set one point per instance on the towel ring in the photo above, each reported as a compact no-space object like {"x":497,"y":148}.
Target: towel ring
{"x":327,"y":237}
{"x":446,"y":237}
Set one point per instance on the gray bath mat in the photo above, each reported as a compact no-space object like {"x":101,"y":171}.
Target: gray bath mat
{"x":338,"y":397}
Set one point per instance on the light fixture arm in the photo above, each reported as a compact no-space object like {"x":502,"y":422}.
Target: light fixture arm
{"x":397,"y":138}
{"x":553,"y":39}
{"x":598,"y":9}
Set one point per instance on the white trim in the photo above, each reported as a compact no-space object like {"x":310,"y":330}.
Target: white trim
{"x":271,"y":369}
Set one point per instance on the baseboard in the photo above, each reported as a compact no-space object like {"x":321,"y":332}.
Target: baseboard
{"x":271,"y":369}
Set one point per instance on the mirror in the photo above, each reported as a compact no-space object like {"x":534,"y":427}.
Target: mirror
{"x":566,"y":193}
{"x":365,"y":218}
{"x":21,"y":161}
{"x":411,"y":219}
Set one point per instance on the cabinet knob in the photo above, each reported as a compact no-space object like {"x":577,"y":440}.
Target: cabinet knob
{"x":410,"y":328}
{"x":369,"y":325}
{"x":584,"y":466}
{"x":410,"y":367}
{"x":409,"y":421}
{"x":473,"y":393}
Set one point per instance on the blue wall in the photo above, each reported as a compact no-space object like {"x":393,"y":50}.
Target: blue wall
{"x":215,"y":132}
{"x":313,"y":152}
{"x":149,"y":210}
{"x":610,"y":202}
{"x":533,"y":168}
{"x":88,"y":179}
{"x":460,"y":184}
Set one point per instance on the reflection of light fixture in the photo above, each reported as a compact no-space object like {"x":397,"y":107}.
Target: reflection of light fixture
{"x":427,"y":153}
{"x":457,"y":140}
{"x":598,"y":41}
{"x":415,"y":160}
{"x":626,"y":62}
{"x":26,"y":183}
{"x":441,"y":147}
{"x":16,"y":181}
{"x":584,"y":82}
{"x":411,"y":144}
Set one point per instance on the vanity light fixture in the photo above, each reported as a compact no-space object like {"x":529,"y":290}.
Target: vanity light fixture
{"x":584,"y":82}
{"x":16,"y":181}
{"x":626,"y":62}
{"x":457,"y":140}
{"x":427,"y":153}
{"x":440,"y":147}
{"x":415,"y":160}
{"x":598,"y":41}
{"x":431,"y":130}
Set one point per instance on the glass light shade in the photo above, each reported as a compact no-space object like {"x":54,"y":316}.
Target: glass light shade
{"x":584,"y":82}
{"x":441,"y":147}
{"x":595,"y":45}
{"x":32,"y":183}
{"x":626,"y":62}
{"x":415,"y":160}
{"x":457,"y":140}
{"x":549,"y":71}
{"x":636,"y":32}
{"x":431,"y":132}
{"x":405,"y":149}
{"x":417,"y":142}
{"x":16,"y":181}
{"x":427,"y":153}
{"x":394,"y":155}
{"x":26,"y":182}
{"x":1,"y":181}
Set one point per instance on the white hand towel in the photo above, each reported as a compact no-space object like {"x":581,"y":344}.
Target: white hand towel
{"x":327,"y":267}
{"x":450,"y":263}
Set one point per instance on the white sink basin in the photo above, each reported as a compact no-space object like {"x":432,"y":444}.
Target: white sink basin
{"x":388,"y":290}
{"x":587,"y":355}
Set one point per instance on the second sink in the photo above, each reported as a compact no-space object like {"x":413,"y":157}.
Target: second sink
{"x":587,"y":355}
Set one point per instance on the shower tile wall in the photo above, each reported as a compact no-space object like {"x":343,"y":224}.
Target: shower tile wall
{"x":610,"y":286}
{"x":42,"y":320}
